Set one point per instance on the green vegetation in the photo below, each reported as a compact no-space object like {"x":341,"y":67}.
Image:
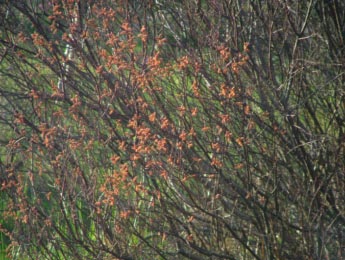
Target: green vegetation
{"x":172,"y":129}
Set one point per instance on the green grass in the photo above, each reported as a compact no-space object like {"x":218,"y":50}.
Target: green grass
{"x":4,"y":240}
